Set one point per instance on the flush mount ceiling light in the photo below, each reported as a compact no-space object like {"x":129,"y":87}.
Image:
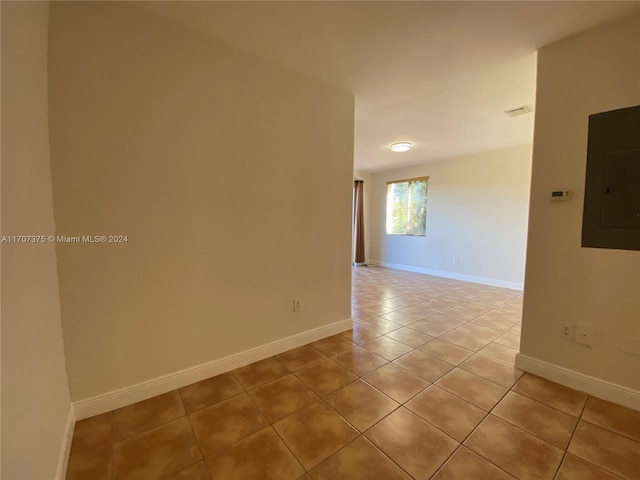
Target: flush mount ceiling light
{"x":401,"y":147}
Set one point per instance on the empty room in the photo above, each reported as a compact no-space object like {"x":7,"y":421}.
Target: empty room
{"x":320,"y":240}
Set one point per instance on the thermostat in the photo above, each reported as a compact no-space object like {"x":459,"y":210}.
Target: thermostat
{"x":559,"y":195}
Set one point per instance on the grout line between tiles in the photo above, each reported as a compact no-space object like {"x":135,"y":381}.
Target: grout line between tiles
{"x":287,"y":447}
{"x":193,"y":432}
{"x":197,"y":443}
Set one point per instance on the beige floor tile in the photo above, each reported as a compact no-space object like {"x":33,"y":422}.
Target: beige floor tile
{"x":466,"y":465}
{"x":451,"y":315}
{"x":360,"y":334}
{"x":91,"y":453}
{"x":409,"y":337}
{"x":359,"y":460}
{"x":513,"y":308}
{"x":437,"y":287}
{"x":314,"y":433}
{"x":496,"y":320}
{"x":396,"y":382}
{"x":447,"y":299}
{"x":142,"y":416}
{"x":261,"y":372}
{"x":363,"y":311}
{"x":401,"y":317}
{"x":429,"y":328}
{"x":387,"y":348}
{"x":461,"y":296}
{"x":361,"y":301}
{"x":516,"y":329}
{"x":226,"y":422}
{"x":446,"y":351}
{"x":457,"y":293}
{"x":360,"y":404}
{"x":452,"y":415}
{"x":509,"y":339}
{"x":476,"y":289}
{"x":412,"y":443}
{"x":325,"y":377}
{"x":606,"y":449}
{"x":464,"y":340}
{"x":333,"y":345}
{"x":497,"y":298}
{"x":197,"y":471}
{"x":262,"y":456}
{"x":360,"y":317}
{"x":449,"y":321}
{"x":375,"y":309}
{"x":499,"y":352}
{"x":282,"y":397}
{"x":472,"y":388}
{"x":301,"y":357}
{"x":212,"y":390}
{"x":156,"y":453}
{"x":483,"y":332}
{"x":424,"y":309}
{"x":485,"y":301}
{"x":423,"y":365}
{"x":506,"y":294}
{"x":359,"y":360}
{"x":519,"y":453}
{"x":613,"y":417}
{"x":465,"y":311}
{"x":546,"y":423}
{"x":493,"y":370}
{"x":427,"y":292}
{"x":402,"y":301}
{"x":380,"y":325}
{"x":575,"y":468}
{"x":557,"y":396}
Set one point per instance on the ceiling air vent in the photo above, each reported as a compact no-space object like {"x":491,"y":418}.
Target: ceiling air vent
{"x":516,"y":112}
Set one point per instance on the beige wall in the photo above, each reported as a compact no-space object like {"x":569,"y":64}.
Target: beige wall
{"x":35,"y":395}
{"x":231,"y":178}
{"x":477,"y":210}
{"x":589,"y":73}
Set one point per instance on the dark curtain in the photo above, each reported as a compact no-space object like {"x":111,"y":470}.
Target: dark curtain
{"x":358,"y":221}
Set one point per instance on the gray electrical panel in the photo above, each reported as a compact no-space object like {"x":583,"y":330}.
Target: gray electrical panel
{"x":611,"y":215}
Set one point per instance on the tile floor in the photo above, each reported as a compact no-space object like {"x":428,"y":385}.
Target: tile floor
{"x":424,"y":386}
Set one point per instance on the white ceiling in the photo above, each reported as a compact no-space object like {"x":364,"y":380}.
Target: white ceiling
{"x":437,"y":74}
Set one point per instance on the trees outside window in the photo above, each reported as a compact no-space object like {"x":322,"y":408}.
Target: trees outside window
{"x":407,"y":207}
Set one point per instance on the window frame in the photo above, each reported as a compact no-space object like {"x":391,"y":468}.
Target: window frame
{"x":409,"y":181}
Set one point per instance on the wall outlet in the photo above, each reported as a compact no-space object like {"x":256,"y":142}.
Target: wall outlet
{"x":584,"y":334}
{"x":567,"y":331}
{"x":456,"y":259}
{"x":297,"y":305}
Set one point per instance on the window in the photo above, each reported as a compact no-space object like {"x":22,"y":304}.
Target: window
{"x":407,"y":207}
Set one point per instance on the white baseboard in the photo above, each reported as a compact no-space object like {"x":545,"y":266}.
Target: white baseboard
{"x":65,"y":448}
{"x":612,"y":392}
{"x":454,"y":276}
{"x":135,"y":393}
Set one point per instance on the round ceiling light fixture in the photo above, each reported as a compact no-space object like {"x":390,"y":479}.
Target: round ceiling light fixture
{"x":401,"y":147}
